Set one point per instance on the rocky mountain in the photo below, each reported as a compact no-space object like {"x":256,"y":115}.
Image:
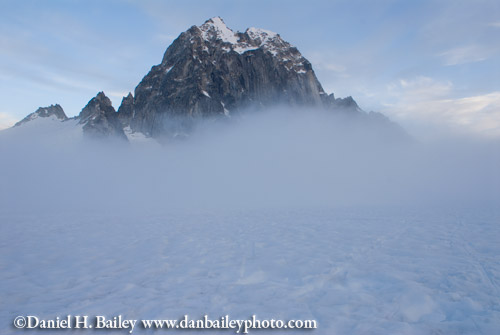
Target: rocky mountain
{"x":99,"y":118}
{"x":210,"y":71}
{"x":53,"y":111}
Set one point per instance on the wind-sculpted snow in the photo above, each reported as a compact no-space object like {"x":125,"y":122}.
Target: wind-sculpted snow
{"x":354,"y":271}
{"x":309,"y":216}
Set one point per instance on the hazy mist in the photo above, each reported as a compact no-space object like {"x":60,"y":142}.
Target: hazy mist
{"x":276,"y":159}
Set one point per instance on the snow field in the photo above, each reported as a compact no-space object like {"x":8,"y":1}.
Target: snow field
{"x":355,"y":271}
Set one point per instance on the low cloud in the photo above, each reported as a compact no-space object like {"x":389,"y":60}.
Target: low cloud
{"x":430,"y":108}
{"x":6,"y":121}
{"x":273,"y":159}
{"x":420,"y":88}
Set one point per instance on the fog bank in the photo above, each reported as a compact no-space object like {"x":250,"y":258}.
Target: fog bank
{"x":277,"y":159}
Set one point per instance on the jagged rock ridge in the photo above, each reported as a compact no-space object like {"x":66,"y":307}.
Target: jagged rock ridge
{"x":99,"y":118}
{"x":54,"y":111}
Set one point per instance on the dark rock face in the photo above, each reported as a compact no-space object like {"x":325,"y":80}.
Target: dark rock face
{"x":212,"y":71}
{"x":99,"y":118}
{"x":51,"y":111}
{"x":126,"y":109}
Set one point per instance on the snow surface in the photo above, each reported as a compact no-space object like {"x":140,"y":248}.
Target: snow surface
{"x":355,"y":272}
{"x":138,"y":137}
{"x":241,"y":48}
{"x":34,"y":116}
{"x":265,"y":36}
{"x":59,"y":133}
{"x":51,"y":126}
{"x":260,"y":38}
{"x":215,"y":26}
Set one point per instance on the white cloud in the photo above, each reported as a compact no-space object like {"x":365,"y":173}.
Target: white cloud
{"x":420,"y":87}
{"x":465,"y":54}
{"x":427,"y":106}
{"x":6,"y":120}
{"x":481,"y":112}
{"x":495,"y":24}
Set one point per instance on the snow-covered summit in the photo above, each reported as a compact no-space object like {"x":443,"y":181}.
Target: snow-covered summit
{"x":262,"y":35}
{"x":215,"y":29}
{"x":54,"y":112}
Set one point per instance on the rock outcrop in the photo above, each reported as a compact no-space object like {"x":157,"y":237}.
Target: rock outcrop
{"x":126,"y":109}
{"x":99,"y":118}
{"x":52,"y":111}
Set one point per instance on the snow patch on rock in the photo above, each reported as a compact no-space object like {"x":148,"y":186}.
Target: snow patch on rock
{"x":136,"y":137}
{"x":216,"y":28}
{"x":262,"y":35}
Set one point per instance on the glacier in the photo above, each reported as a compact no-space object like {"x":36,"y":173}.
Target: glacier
{"x":355,"y":271}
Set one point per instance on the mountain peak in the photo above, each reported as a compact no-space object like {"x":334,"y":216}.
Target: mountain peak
{"x":262,"y":35}
{"x":216,"y":20}
{"x":99,"y":118}
{"x":215,"y":28}
{"x":251,"y":39}
{"x":54,"y":111}
{"x":100,"y":104}
{"x":101,"y":97}
{"x":211,"y":70}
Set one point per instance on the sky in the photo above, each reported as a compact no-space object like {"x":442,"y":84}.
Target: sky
{"x":431,"y":65}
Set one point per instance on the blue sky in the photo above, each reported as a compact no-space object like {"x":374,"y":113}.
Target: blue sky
{"x":433,"y":66}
